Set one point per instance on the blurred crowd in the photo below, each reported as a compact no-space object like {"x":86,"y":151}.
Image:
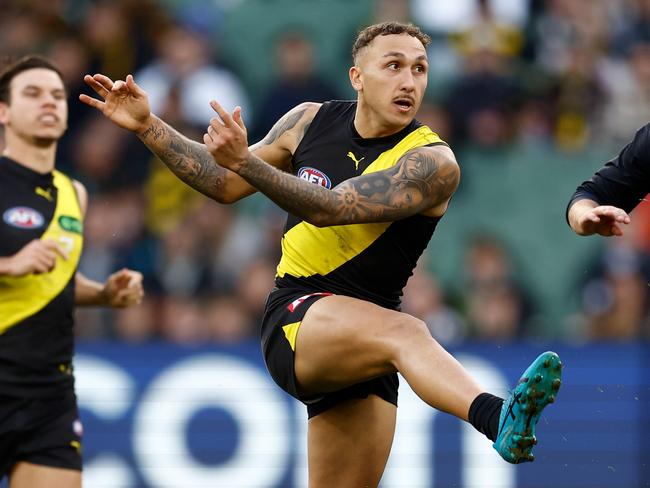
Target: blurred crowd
{"x":550,"y":76}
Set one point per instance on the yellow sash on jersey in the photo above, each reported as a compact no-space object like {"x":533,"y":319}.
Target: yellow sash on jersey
{"x":24,"y":296}
{"x":308,"y":250}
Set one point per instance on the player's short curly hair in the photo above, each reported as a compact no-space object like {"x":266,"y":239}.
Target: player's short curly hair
{"x":366,"y":36}
{"x":13,"y":69}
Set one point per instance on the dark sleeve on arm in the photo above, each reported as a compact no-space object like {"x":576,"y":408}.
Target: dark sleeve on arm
{"x":623,"y":181}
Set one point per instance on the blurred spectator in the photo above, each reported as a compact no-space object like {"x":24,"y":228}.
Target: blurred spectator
{"x":460,"y":14}
{"x":184,"y":64}
{"x":182,"y":265}
{"x":577,"y":97}
{"x":391,"y":10}
{"x":616,"y":296}
{"x":637,"y":28}
{"x":228,"y":321}
{"x":482,"y":98}
{"x":139,"y":324}
{"x":423,"y":299}
{"x":20,"y":34}
{"x":533,"y":125}
{"x":497,"y":305}
{"x":627,"y":106}
{"x":487,"y":33}
{"x":183,"y":321}
{"x":437,"y":118}
{"x":566,"y":25}
{"x":105,"y":166}
{"x":253,"y":286}
{"x":296,"y":81}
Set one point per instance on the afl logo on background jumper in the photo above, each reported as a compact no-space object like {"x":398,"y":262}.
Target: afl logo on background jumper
{"x":315,"y":176}
{"x":23,"y":218}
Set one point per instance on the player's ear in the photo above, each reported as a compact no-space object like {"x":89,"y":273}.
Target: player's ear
{"x":356,"y":78}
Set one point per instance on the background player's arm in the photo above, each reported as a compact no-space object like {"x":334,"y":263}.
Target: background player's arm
{"x":126,"y":104}
{"x":587,"y":217}
{"x":121,"y":289}
{"x":601,"y":204}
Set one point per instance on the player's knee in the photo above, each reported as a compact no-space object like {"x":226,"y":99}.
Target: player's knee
{"x":405,"y":329}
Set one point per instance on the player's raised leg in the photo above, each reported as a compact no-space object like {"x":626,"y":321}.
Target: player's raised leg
{"x":343,"y":341}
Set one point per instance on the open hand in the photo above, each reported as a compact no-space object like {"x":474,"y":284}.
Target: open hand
{"x":123,"y":289}
{"x":226,"y":138}
{"x":39,"y":256}
{"x":605,"y":220}
{"x":124,"y":102}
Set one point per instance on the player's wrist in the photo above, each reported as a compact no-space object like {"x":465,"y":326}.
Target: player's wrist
{"x":146,"y":126}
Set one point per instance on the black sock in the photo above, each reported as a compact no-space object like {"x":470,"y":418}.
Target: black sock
{"x":484,"y":414}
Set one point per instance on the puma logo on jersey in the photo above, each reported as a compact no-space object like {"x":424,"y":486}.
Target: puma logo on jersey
{"x":354,"y":158}
{"x":45,"y":193}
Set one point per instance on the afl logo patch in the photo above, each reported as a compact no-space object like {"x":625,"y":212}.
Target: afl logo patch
{"x":23,"y":218}
{"x":313,"y":175}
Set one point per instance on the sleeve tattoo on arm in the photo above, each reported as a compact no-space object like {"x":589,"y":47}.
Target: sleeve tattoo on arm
{"x":192,"y":162}
{"x":285,"y":124}
{"x":187,"y":159}
{"x":420,"y":180}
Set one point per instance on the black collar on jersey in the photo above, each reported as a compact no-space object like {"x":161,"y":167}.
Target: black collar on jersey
{"x":374,"y":141}
{"x":23,"y":172}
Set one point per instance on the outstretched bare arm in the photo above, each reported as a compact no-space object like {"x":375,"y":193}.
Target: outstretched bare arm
{"x":127,"y":105}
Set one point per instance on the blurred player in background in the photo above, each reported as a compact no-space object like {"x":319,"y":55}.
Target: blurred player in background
{"x":41,"y":238}
{"x":365,"y":185}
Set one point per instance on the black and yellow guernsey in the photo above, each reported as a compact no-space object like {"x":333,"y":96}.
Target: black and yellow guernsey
{"x":36,"y":311}
{"x":368,"y":261}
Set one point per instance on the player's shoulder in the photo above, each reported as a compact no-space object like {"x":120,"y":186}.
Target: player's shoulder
{"x":306,"y":110}
{"x":82,"y":195}
{"x":643,"y":135}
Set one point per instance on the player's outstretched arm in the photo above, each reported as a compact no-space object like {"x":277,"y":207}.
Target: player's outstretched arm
{"x":127,"y":105}
{"x":122,"y":289}
{"x":586,"y":217}
{"x":423,"y":180}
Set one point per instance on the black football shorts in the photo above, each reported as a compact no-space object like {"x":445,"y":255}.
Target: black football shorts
{"x":40,"y":431}
{"x":283,"y":313}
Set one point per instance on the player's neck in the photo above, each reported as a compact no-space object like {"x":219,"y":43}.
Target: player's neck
{"x":37,"y":158}
{"x":369,"y":125}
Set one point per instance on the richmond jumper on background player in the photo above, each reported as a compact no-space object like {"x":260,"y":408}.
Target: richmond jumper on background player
{"x":364,"y":184}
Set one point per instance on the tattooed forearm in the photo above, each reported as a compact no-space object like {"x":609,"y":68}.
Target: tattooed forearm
{"x":296,"y":196}
{"x":188,"y":160}
{"x":421,"y":180}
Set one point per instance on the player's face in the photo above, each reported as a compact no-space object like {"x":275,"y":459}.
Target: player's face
{"x":38,"y":109}
{"x":393,"y":77}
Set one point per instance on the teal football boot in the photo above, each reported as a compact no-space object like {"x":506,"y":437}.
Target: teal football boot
{"x":520,"y":413}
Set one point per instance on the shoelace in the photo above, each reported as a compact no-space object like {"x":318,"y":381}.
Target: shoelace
{"x":515,"y":399}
